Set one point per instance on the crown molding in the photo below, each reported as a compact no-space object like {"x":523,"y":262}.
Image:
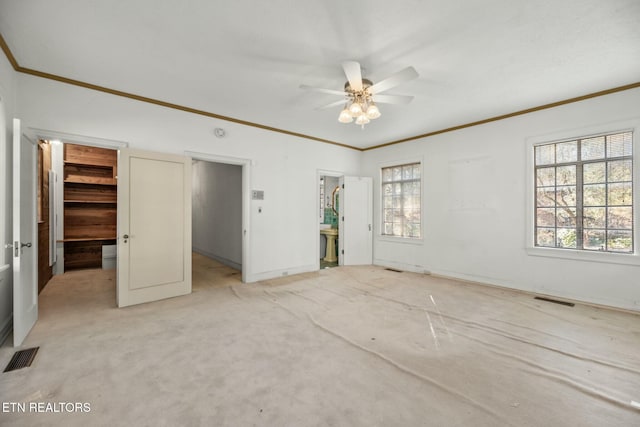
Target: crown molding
{"x":14,"y":63}
{"x":17,"y":67}
{"x":509,"y":115}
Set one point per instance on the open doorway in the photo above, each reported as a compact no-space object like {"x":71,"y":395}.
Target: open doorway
{"x":76,"y":210}
{"x":216,"y":214}
{"x":328,"y":218}
{"x":76,"y":206}
{"x":220,"y":191}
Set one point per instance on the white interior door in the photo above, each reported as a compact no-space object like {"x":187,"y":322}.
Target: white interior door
{"x":355,"y":239}
{"x":154,"y":226}
{"x":25,"y":241}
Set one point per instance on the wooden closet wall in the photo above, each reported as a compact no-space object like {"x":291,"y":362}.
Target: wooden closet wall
{"x":90,"y":196}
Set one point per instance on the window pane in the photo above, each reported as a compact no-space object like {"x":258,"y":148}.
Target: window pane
{"x":566,"y":238}
{"x":388,"y":228}
{"x":414,"y":230}
{"x":545,"y":154}
{"x":603,"y":202}
{"x":594,"y":195}
{"x":408,"y":188}
{"x":566,"y":175}
{"x":593,"y":173}
{"x":546,"y":237}
{"x":619,"y":145}
{"x":401,"y":200}
{"x":619,"y":241}
{"x":397,"y":174}
{"x":620,"y":194}
{"x":546,"y":217}
{"x":545,"y":177}
{"x":566,"y":217}
{"x":546,"y":197}
{"x":407,"y":172}
{"x":594,"y":217}
{"x":567,"y":152}
{"x":416,"y":171}
{"x":594,"y":240}
{"x":566,"y":196}
{"x":592,"y":148}
{"x":619,"y":170}
{"x":620,"y":218}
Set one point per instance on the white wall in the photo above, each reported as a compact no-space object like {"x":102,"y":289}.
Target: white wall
{"x":217,"y":211}
{"x":282,"y":238}
{"x":475,"y":205}
{"x":7,"y":93}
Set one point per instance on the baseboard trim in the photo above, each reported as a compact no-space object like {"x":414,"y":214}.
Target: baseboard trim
{"x":401,"y":266}
{"x":494,"y":285}
{"x":276,"y":274}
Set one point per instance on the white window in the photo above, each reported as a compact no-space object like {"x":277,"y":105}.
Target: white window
{"x":584,"y":193}
{"x":401,"y":201}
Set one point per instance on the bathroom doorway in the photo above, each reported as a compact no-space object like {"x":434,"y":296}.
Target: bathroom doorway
{"x":328,"y":218}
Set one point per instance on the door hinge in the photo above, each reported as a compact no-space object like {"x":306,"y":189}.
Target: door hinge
{"x":342,"y":252}
{"x":343,"y":218}
{"x":342,"y":186}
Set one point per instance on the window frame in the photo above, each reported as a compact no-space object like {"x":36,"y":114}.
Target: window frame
{"x":630,"y":258}
{"x":380,"y":210}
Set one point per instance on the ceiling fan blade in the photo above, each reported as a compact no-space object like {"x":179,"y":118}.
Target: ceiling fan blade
{"x":323,"y":90}
{"x":353,"y":73}
{"x":394,"y":80}
{"x":333,"y":104}
{"x":392,"y":99}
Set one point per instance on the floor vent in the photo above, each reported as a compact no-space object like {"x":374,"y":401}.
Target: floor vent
{"x":394,"y":270}
{"x":555,"y":301}
{"x":22,"y":359}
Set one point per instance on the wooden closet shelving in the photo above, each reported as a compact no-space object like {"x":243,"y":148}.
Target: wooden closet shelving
{"x":90,"y":204}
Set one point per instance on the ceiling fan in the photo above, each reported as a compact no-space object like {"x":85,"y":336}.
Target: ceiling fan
{"x":361,"y":95}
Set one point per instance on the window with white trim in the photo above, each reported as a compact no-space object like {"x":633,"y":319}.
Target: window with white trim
{"x":584,"y":193}
{"x":401,"y":207}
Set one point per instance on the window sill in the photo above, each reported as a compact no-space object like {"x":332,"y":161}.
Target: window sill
{"x":402,"y":240}
{"x":578,"y":255}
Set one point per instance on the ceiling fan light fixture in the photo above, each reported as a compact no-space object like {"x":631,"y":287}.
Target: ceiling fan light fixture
{"x":362,"y":120}
{"x":373,"y":112}
{"x":345,"y":116}
{"x":355,"y":109}
{"x":359,"y":93}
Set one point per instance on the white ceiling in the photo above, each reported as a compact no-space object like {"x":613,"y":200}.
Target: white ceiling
{"x":246,"y":59}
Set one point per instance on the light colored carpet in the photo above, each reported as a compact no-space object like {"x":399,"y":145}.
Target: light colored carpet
{"x":348,"y":346}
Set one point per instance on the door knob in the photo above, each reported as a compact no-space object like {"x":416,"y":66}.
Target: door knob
{"x":28,"y":245}
{"x":126,"y":236}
